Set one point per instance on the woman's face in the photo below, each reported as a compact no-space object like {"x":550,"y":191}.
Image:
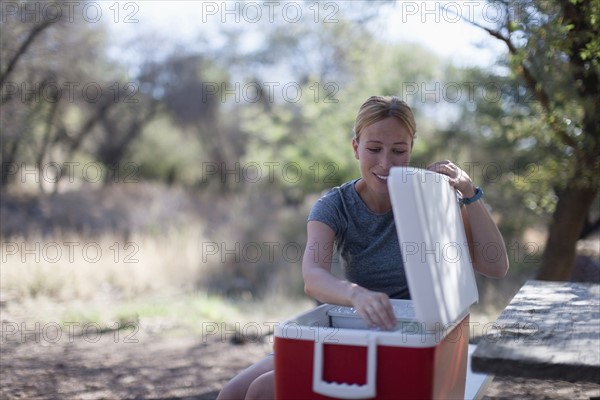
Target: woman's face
{"x":382,"y":145}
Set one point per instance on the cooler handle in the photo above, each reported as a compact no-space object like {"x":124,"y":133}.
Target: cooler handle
{"x":346,"y":390}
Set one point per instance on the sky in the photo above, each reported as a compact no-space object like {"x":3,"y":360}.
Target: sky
{"x":440,"y":29}
{"x":445,"y":32}
{"x":187,"y":24}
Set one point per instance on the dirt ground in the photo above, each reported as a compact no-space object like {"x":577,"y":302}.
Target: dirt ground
{"x":113,"y":366}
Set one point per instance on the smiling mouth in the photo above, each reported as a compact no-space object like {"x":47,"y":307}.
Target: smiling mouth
{"x":382,"y":177}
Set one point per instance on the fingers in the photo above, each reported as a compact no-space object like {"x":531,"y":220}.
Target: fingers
{"x":434,"y":166}
{"x":458,"y":178}
{"x":376,"y":309}
{"x":385,"y":315}
{"x":447,"y":168}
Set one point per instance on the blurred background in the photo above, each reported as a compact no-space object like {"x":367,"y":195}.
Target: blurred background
{"x":159,"y":159}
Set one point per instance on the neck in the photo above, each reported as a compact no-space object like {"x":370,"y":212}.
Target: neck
{"x":377,"y":202}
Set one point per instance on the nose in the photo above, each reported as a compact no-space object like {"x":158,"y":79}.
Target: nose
{"x":385,"y":161}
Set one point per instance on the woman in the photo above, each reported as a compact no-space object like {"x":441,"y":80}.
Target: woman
{"x":356,"y":219}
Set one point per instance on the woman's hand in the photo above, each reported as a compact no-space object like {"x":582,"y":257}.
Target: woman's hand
{"x":374,"y":307}
{"x":458,"y":178}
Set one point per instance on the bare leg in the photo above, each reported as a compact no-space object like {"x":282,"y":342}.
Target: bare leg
{"x":263,"y":387}
{"x":237,"y":387}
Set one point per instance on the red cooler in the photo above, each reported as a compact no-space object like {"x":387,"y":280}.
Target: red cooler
{"x":329,"y":353}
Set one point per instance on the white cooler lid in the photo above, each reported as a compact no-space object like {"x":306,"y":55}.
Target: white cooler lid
{"x":433,"y":245}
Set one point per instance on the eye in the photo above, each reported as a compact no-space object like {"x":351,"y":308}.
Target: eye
{"x":399,"y":151}
{"x":373,"y":149}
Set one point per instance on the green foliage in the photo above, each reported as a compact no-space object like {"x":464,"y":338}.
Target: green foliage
{"x":315,"y":132}
{"x":165,"y":153}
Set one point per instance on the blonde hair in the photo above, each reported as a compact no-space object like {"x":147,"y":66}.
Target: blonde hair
{"x":377,"y":108}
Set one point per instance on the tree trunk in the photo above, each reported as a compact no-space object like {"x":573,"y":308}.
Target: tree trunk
{"x":569,"y":218}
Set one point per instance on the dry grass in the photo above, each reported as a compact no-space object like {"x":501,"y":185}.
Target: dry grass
{"x":67,"y":267}
{"x":164,"y":257}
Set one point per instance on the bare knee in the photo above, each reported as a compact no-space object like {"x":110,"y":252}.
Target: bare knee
{"x":235,"y":389}
{"x":262,"y":388}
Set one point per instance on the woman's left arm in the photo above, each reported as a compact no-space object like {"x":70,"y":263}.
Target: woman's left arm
{"x":486,"y":245}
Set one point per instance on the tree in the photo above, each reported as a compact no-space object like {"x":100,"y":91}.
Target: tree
{"x":310,"y":134}
{"x":554,"y":49}
{"x":62,"y":98}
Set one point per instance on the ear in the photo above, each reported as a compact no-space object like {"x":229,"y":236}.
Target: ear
{"x":355,"y":147}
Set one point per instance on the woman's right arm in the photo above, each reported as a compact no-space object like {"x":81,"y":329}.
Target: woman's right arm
{"x":322,"y":285}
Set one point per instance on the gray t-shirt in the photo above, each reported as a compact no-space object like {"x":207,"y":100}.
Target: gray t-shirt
{"x":367,"y":242}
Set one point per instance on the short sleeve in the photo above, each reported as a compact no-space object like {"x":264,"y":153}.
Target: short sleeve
{"x":329,"y":210}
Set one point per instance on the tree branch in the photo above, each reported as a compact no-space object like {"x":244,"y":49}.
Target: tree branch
{"x":30,"y":38}
{"x":533,"y":84}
